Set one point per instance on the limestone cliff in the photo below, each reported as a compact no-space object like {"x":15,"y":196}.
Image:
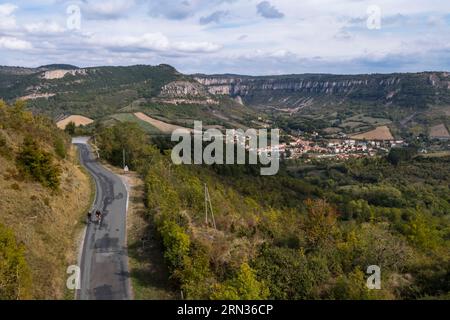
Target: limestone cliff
{"x":294,"y":90}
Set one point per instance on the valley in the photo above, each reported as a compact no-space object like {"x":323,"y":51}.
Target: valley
{"x":363,"y":180}
{"x":409,"y":104}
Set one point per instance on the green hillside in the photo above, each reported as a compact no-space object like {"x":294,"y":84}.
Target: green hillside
{"x":43,"y":195}
{"x":307,"y":233}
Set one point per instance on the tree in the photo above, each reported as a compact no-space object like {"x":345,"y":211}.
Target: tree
{"x":397,"y":155}
{"x":176,"y":243}
{"x":15,"y":276}
{"x":359,"y":210}
{"x":244,"y":286}
{"x":70,"y":128}
{"x":421,"y":232}
{"x":351,"y":287}
{"x":321,"y":223}
{"x":290,"y":274}
{"x":128,"y":137}
{"x":195,"y":275}
{"x":38,"y":164}
{"x":60,"y":147}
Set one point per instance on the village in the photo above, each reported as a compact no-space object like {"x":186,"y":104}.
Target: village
{"x":313,"y":146}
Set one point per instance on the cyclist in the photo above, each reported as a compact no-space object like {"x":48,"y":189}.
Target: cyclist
{"x":98,"y":215}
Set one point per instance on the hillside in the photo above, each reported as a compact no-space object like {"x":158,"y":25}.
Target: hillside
{"x":43,"y":195}
{"x":308,"y":233}
{"x":90,"y":92}
{"x":292,"y":91}
{"x":101,"y":92}
{"x":409,"y":102}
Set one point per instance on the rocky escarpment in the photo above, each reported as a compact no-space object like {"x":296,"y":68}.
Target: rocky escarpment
{"x":243,"y":86}
{"x":294,"y":90}
{"x":61,"y":73}
{"x":185,"y":92}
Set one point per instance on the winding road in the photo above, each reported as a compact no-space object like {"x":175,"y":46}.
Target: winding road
{"x":104,"y":260}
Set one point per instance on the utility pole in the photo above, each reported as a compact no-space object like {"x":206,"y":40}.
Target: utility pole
{"x":208,"y":207}
{"x":125,"y":167}
{"x":96,"y":148}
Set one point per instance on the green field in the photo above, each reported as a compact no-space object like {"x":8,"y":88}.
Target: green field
{"x":129,"y":117}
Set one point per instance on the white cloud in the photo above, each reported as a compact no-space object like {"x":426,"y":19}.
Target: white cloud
{"x":7,"y":9}
{"x":7,"y":19}
{"x":153,"y":42}
{"x":230,"y":35}
{"x":109,"y":9}
{"x":149,"y":41}
{"x":182,"y":9}
{"x":12,"y":43}
{"x":44,"y":27}
{"x":196,"y":47}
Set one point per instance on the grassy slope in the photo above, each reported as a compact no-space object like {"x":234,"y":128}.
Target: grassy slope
{"x":129,"y":117}
{"x":47,"y":222}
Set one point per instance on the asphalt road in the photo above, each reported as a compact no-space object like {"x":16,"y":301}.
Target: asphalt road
{"x":104,"y":261}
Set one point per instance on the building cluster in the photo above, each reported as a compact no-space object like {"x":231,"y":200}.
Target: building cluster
{"x":337,"y":148}
{"x":314,"y":146}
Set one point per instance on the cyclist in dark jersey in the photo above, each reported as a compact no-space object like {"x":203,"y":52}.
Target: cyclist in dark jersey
{"x":98,"y":215}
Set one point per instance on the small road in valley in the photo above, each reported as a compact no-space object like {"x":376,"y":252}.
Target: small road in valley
{"x":104,"y":259}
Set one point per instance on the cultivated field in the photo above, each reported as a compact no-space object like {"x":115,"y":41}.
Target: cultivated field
{"x":380,"y":133}
{"x":439,"y":131}
{"x":129,"y":117}
{"x":35,"y":96}
{"x":162,"y":126}
{"x":78,"y":120}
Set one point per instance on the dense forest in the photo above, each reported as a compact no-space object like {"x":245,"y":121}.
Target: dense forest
{"x":308,"y":233}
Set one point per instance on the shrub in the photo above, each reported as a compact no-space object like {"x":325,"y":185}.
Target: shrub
{"x":244,"y":286}
{"x":70,"y":128}
{"x":5,"y":150}
{"x":321,"y":223}
{"x":15,"y":276}
{"x":15,"y":186}
{"x":351,"y":287}
{"x":195,"y":276}
{"x":422,"y":232}
{"x":288,"y":273}
{"x":38,"y":164}
{"x":397,"y":155}
{"x":60,"y":147}
{"x":176,"y":242}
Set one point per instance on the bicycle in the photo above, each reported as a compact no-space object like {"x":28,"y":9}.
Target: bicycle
{"x":98,"y":214}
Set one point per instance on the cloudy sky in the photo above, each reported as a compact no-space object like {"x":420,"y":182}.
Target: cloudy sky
{"x":230,"y":36}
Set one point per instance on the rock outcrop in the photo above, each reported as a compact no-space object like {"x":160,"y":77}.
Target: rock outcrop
{"x":294,"y":90}
{"x":59,"y":74}
{"x":186,"y":92}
